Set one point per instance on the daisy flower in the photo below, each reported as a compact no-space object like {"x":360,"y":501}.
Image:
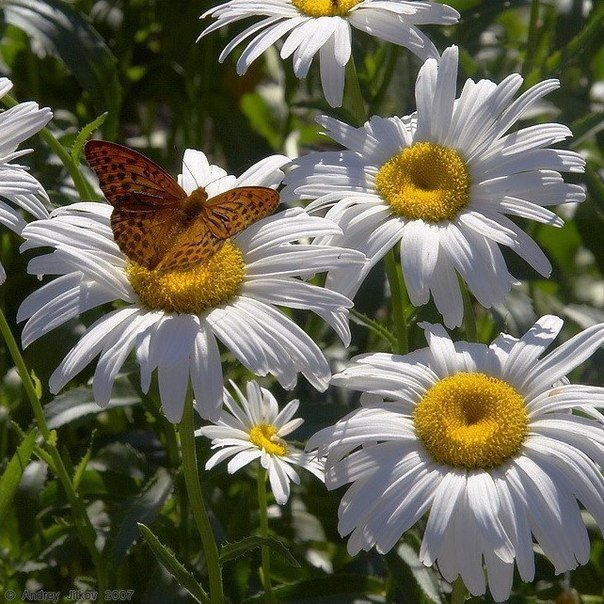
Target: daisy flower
{"x":441,"y":182}
{"x":173,"y":319}
{"x":17,"y":186}
{"x":324,"y":26}
{"x":485,"y":439}
{"x":255,"y":430}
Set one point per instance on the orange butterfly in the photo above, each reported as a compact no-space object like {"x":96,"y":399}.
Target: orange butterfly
{"x":155,"y":223}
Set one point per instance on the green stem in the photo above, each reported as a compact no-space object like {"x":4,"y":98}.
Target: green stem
{"x":398,"y":300}
{"x":28,"y":385}
{"x":378,"y":99}
{"x":469,"y":316}
{"x":266,"y":556}
{"x":84,"y":188}
{"x":78,"y":510}
{"x":374,"y":326}
{"x":290,"y":86}
{"x":353,"y":97}
{"x":531,"y":43}
{"x":459,"y":593}
{"x":198,"y":508}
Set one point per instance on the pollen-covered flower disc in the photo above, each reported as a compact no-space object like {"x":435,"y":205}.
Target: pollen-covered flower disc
{"x":325,"y":27}
{"x":256,"y":429}
{"x":492,"y":442}
{"x":155,"y":223}
{"x":442,"y":182}
{"x":173,"y":315}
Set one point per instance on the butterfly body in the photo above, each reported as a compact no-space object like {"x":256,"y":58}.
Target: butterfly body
{"x":194,"y":204}
{"x":155,"y":223}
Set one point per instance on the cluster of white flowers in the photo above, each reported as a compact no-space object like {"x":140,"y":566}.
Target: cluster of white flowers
{"x":481,"y":437}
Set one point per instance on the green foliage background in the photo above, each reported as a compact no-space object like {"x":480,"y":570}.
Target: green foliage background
{"x":137,"y":61}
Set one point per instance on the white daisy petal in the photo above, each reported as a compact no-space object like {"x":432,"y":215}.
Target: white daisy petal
{"x":515,"y":521}
{"x":173,"y":381}
{"x":500,"y":576}
{"x":419,"y":254}
{"x":564,"y":359}
{"x":223,"y":454}
{"x":242,"y":459}
{"x":114,"y":355}
{"x":262,"y":42}
{"x":59,"y":305}
{"x":206,"y":375}
{"x":315,"y":36}
{"x":240,"y":37}
{"x":444,"y":503}
{"x":279,"y":481}
{"x":342,"y":42}
{"x":530,"y":347}
{"x":90,"y":345}
{"x":484,"y":502}
{"x":332,"y":73}
{"x":19,"y":189}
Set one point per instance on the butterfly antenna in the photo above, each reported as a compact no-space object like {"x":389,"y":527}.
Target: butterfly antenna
{"x":190,"y":171}
{"x":195,"y":179}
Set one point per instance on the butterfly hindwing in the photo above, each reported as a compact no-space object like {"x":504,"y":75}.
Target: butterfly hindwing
{"x":145,"y":238}
{"x":194,"y":244}
{"x":232,"y":211}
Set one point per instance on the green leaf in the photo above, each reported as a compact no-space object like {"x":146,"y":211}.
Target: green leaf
{"x":324,"y":589}
{"x":37,"y":383}
{"x":586,"y":126}
{"x":140,"y":508}
{"x":407,"y":563}
{"x":83,"y":135}
{"x":64,"y":33}
{"x":261,"y":117}
{"x":595,"y":186}
{"x":9,"y":482}
{"x":108,"y":486}
{"x":168,"y":560}
{"x":79,"y":402}
{"x":230,"y":551}
{"x":589,"y":220}
{"x":590,"y":34}
{"x":83,"y":464}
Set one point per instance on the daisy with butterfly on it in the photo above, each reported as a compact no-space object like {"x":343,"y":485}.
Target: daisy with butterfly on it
{"x":17,"y":186}
{"x":325,"y":27}
{"x":158,"y":251}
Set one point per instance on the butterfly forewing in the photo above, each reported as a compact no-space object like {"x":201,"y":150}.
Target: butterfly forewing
{"x":232,"y":211}
{"x":130,"y":179}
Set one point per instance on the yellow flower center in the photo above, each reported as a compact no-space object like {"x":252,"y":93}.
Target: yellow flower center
{"x":471,"y":420}
{"x":425,"y":181}
{"x":264,"y":436}
{"x":192,"y":290}
{"x":324,"y":8}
